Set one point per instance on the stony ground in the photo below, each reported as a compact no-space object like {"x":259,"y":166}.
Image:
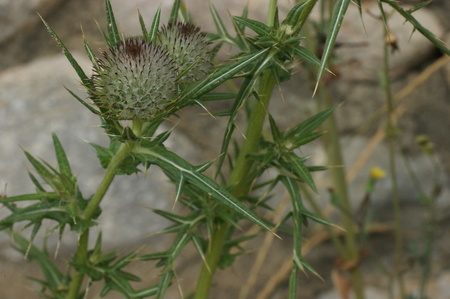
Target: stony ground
{"x":33,"y":103}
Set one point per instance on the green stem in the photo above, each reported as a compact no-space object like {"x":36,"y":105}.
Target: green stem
{"x":338,"y":174}
{"x":80,"y":260}
{"x":430,"y":233}
{"x":82,"y":250}
{"x":218,"y":236}
{"x":122,"y":153}
{"x":391,"y":133}
{"x":271,"y":14}
{"x":239,"y":181}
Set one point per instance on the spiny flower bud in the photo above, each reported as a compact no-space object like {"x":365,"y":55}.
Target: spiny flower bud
{"x":134,"y":80}
{"x":188,"y":47}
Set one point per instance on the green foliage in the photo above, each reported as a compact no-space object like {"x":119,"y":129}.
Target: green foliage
{"x":279,"y":153}
{"x":407,"y":14}
{"x":64,"y":204}
{"x":335,"y":24}
{"x":55,"y":281}
{"x":128,"y":166}
{"x":213,"y":207}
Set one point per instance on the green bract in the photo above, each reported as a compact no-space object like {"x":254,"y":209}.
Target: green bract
{"x":134,"y":80}
{"x":188,"y":47}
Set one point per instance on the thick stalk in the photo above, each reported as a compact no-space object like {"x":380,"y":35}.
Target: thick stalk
{"x":213,"y":254}
{"x":122,"y":153}
{"x":334,"y":154}
{"x":239,"y":181}
{"x":82,"y":250}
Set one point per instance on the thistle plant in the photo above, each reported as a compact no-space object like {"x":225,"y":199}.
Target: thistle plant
{"x":137,"y":84}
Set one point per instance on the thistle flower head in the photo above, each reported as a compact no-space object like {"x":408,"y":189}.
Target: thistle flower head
{"x":188,"y":47}
{"x":134,"y":80}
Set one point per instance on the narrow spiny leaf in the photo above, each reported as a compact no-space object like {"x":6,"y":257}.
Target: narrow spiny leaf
{"x":336,"y":21}
{"x":143,"y":28}
{"x":68,"y":55}
{"x":153,"y":34}
{"x":63,"y":162}
{"x":113,"y":32}
{"x":174,"y":164}
{"x":174,"y":12}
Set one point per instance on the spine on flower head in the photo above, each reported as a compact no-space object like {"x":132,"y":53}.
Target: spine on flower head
{"x":188,"y":46}
{"x":136,"y":79}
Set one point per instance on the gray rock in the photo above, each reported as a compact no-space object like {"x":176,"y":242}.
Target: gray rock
{"x":359,"y":55}
{"x":17,"y":15}
{"x":34,"y":104}
{"x":426,"y":173}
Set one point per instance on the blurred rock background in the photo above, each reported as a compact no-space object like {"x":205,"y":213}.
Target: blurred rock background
{"x":34,"y":103}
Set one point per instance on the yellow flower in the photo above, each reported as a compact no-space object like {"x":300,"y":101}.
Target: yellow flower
{"x":377,"y":173}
